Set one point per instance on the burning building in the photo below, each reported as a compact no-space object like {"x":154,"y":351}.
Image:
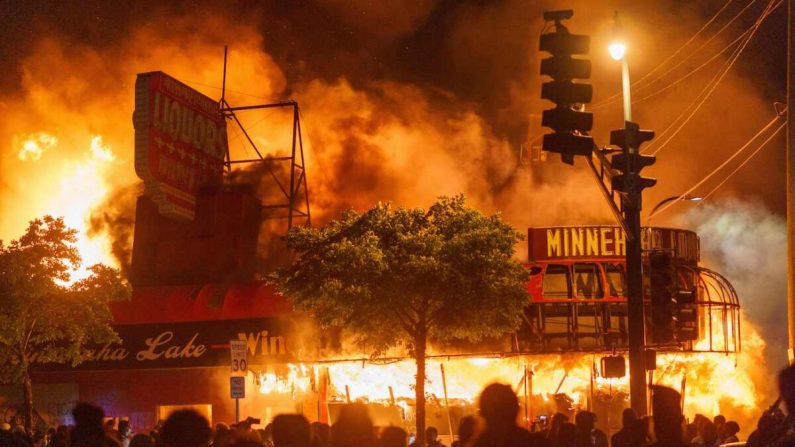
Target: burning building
{"x":196,"y":288}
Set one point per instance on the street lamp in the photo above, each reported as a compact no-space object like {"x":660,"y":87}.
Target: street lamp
{"x":618,"y":51}
{"x":686,"y":197}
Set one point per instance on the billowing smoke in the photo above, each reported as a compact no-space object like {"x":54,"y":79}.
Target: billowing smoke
{"x":747,"y":243}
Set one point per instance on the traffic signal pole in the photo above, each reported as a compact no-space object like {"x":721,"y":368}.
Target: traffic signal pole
{"x":631,"y":206}
{"x":570,"y":138}
{"x":791,"y":181}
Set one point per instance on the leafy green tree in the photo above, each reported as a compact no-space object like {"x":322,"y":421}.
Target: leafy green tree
{"x":407,"y":277}
{"x":43,"y":318}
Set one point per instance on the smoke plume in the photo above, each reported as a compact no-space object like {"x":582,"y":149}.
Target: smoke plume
{"x":747,"y":243}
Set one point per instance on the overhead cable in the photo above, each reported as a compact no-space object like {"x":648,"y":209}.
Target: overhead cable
{"x":716,"y":170}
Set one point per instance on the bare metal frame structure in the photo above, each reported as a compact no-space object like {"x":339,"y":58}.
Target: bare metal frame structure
{"x":294,"y":208}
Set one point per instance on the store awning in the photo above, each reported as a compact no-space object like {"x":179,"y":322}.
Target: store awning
{"x":168,"y":304}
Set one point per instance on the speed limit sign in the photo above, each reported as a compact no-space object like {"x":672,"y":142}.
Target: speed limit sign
{"x":238,"y":350}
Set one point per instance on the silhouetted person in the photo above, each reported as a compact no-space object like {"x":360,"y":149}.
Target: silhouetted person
{"x":567,"y":435}
{"x":290,"y":430}
{"x":709,"y":435}
{"x":720,"y":424}
{"x":587,"y":433}
{"x":699,"y":421}
{"x":730,"y":431}
{"x":185,"y":428}
{"x":500,"y":408}
{"x":466,"y":431}
{"x":667,"y":412}
{"x":353,"y":427}
{"x":623,"y":437}
{"x":554,"y":427}
{"x":224,"y":438}
{"x":394,"y":437}
{"x":321,"y":433}
{"x":88,"y":430}
{"x":640,"y":432}
{"x":125,"y":432}
{"x":769,"y":429}
{"x":432,"y":437}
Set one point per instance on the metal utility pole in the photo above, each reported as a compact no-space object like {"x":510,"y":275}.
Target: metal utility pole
{"x":631,"y":185}
{"x":790,"y":181}
{"x":631,"y":205}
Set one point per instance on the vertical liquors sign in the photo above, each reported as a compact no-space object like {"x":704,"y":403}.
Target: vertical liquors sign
{"x":180,"y":142}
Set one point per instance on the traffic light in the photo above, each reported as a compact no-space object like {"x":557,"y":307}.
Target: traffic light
{"x":613,"y":367}
{"x":686,"y":315}
{"x":661,"y":288}
{"x":570,"y":123}
{"x":629,"y":162}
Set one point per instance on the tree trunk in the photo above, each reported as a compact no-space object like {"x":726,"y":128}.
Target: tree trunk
{"x":419,"y":356}
{"x":27,"y":405}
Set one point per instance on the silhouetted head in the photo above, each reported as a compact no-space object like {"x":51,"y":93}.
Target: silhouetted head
{"x":710,"y":433}
{"x":87,"y":415}
{"x":394,"y":437}
{"x":499,"y":404}
{"x":353,"y":427}
{"x":431,"y":433}
{"x":628,"y":416}
{"x":567,"y":435}
{"x":732,"y":428}
{"x":667,"y":412}
{"x":585,"y":421}
{"x":466,"y":428}
{"x":290,"y":430}
{"x":185,"y":428}
{"x":786,"y":384}
{"x":320,"y":432}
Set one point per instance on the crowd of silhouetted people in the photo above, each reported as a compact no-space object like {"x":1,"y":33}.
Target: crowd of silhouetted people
{"x":496,"y":426}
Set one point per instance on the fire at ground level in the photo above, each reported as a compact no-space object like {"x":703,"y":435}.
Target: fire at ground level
{"x":730,"y":384}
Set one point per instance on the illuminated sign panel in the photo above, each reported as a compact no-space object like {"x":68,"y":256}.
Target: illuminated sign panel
{"x":180,"y":142}
{"x":607,"y":242}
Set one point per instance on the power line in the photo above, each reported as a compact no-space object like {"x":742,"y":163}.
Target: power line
{"x":722,"y":165}
{"x":661,"y":64}
{"x":696,"y":98}
{"x":717,"y":81}
{"x":705,"y":43}
{"x":740,"y":166}
{"x":644,"y":77}
{"x":695,"y":70}
{"x":684,"y":111}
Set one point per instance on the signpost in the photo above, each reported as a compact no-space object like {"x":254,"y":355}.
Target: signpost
{"x":237,"y":387}
{"x":238,"y":350}
{"x":237,"y":382}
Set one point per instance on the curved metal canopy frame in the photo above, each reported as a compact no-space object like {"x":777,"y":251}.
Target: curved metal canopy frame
{"x":718,"y":312}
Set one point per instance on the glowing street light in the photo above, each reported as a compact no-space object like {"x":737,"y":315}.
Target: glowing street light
{"x":618,"y":51}
{"x":685,"y":198}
